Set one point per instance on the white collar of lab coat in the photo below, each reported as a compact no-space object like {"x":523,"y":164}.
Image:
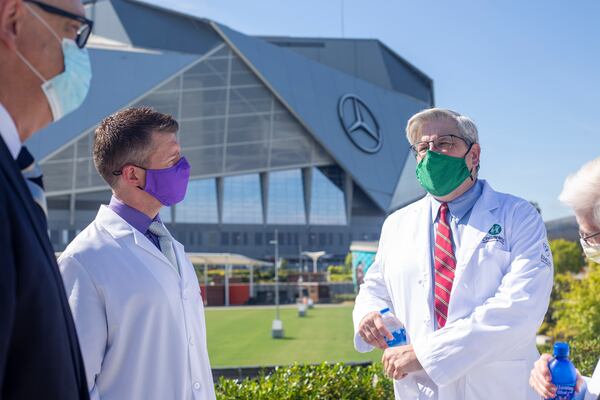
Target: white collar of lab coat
{"x":118,"y":228}
{"x":9,"y":133}
{"x":488,"y":200}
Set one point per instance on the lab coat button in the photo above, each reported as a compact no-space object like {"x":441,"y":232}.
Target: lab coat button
{"x":196,"y":385}
{"x":191,"y":341}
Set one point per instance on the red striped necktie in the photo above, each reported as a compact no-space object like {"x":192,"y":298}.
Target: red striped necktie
{"x":445,"y":264}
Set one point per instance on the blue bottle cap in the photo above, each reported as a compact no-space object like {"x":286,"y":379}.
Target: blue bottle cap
{"x":561,"y":349}
{"x":384,"y":310}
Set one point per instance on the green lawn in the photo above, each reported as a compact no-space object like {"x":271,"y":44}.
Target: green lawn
{"x":243,"y":337}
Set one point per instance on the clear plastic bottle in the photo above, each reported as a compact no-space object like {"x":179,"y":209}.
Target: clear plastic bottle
{"x":395,"y":327}
{"x":564,"y":375}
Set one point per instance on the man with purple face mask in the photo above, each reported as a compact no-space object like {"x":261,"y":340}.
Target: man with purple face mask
{"x":133,"y":292}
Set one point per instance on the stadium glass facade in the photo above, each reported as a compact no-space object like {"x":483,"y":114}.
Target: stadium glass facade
{"x":264,"y":157}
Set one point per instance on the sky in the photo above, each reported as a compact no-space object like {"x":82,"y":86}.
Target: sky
{"x":527,"y":72}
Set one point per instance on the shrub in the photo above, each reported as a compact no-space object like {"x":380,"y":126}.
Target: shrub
{"x":340,"y":298}
{"x":577,"y":314}
{"x":299,"y":382}
{"x":562,"y":285}
{"x":341,"y":278}
{"x":567,"y":256}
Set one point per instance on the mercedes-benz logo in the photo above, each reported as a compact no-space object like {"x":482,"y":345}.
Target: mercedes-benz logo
{"x":359,"y":123}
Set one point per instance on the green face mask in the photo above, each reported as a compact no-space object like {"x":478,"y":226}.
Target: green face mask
{"x":440,"y":174}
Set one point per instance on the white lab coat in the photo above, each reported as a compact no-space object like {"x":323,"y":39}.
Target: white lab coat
{"x":499,"y":297}
{"x":141,"y":326}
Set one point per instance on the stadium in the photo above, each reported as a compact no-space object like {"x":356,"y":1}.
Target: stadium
{"x":303,"y":136}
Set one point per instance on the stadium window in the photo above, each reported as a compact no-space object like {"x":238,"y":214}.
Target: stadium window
{"x":225,"y":238}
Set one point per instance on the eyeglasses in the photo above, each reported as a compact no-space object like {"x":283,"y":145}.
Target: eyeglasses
{"x":83,"y":34}
{"x":586,"y":238}
{"x":442,"y":143}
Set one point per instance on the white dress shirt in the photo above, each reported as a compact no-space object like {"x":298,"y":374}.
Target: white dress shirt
{"x":9,"y":133}
{"x":140,"y":324}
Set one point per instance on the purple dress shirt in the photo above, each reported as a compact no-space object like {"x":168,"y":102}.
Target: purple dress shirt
{"x":135,"y":218}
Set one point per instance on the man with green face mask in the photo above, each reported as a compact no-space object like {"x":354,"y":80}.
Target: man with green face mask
{"x":467,"y":270}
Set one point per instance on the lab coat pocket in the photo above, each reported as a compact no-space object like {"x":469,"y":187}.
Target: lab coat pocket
{"x":499,"y":379}
{"x":493,"y":264}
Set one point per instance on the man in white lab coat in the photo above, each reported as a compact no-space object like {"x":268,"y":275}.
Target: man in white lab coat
{"x":468,"y":271}
{"x":133,"y":292}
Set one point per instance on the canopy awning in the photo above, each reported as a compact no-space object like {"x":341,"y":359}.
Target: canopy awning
{"x":364,"y":246}
{"x":221,"y":259}
{"x":226,"y":259}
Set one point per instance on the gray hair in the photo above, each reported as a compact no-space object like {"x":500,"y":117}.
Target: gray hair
{"x":581,"y":191}
{"x":466,"y":127}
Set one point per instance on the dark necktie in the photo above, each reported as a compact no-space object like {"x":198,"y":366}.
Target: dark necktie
{"x":34,"y":178}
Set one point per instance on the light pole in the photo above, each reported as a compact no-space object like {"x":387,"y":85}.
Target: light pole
{"x":314,"y":256}
{"x":277,"y":326}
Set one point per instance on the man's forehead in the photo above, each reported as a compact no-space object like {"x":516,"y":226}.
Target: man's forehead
{"x":438,"y":127}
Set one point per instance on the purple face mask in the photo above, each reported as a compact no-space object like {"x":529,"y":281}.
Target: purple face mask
{"x":168,"y":185}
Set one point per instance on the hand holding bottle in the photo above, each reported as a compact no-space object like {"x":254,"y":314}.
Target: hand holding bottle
{"x":540,"y":378}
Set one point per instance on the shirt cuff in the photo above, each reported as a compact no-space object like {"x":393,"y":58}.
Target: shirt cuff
{"x":360,"y":345}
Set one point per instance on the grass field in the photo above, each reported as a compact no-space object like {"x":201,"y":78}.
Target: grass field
{"x":242,"y":336}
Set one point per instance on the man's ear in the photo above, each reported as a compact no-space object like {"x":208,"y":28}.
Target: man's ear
{"x":475,"y":153}
{"x":11,"y":19}
{"x":132,"y":175}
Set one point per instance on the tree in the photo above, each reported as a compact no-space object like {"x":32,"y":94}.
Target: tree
{"x":578,"y":312}
{"x":562,"y":285}
{"x":567,"y":256}
{"x":348,"y":261}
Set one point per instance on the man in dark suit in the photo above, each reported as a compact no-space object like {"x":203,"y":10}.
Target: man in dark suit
{"x":44,"y":74}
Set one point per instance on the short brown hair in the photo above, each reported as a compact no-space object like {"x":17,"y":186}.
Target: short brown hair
{"x":125,"y":138}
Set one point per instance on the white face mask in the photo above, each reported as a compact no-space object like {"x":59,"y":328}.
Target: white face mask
{"x":66,"y":91}
{"x":592,"y":252}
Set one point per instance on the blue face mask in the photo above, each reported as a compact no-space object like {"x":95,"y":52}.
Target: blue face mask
{"x":67,"y":90}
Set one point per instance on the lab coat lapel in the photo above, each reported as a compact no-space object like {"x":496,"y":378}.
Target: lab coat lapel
{"x":118,"y":228}
{"x":145,"y":244}
{"x":424,"y":248}
{"x":182,"y":259}
{"x":480,"y":222}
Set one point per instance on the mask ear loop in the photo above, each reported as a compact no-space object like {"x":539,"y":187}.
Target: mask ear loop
{"x":44,"y":23}
{"x":119,"y":173}
{"x":471,"y":170}
{"x":25,"y":61}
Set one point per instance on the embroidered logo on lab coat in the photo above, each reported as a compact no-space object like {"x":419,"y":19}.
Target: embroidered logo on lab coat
{"x":546,"y":256}
{"x":495,"y":230}
{"x":493,"y":235}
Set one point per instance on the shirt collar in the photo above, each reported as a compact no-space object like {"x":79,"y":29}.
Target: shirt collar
{"x":461,"y":205}
{"x":9,"y":133}
{"x":133,"y":217}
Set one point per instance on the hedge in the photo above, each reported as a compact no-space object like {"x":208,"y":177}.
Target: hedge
{"x":344,"y":382}
{"x":299,"y":382}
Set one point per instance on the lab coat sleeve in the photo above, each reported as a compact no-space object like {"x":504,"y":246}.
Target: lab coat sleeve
{"x":373,"y":294}
{"x":88,"y":310}
{"x":503,"y":322}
